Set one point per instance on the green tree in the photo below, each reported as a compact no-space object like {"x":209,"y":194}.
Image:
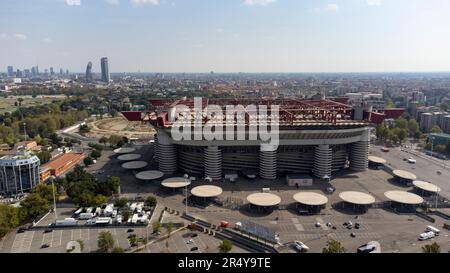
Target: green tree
{"x":88,"y":161}
{"x":401,"y":123}
{"x":114,"y":140}
{"x":126,"y":214}
{"x":35,"y":205}
{"x":156,"y":227}
{"x":120,"y":203}
{"x":9,"y":219}
{"x":433,"y":248}
{"x":96,"y":154}
{"x":113,"y":183}
{"x":105,"y":241}
{"x":151,"y":201}
{"x":46,"y":192}
{"x":444,"y":106}
{"x":333,"y":246}
{"x":118,"y":249}
{"x":100,"y":200}
{"x":436,"y":129}
{"x":81,"y":245}
{"x":382,"y":132}
{"x":103,"y":140}
{"x":44,"y":156}
{"x":169,"y":229}
{"x":413,"y":127}
{"x":225,"y":246}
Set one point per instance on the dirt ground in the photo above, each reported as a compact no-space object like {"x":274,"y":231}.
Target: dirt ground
{"x":121,"y":127}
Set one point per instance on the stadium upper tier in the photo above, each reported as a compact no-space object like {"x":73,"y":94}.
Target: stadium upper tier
{"x":290,"y":112}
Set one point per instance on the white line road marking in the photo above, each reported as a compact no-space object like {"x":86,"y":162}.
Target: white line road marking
{"x":299,"y":227}
{"x":60,"y":237}
{"x":71,"y":235}
{"x":51,"y":242}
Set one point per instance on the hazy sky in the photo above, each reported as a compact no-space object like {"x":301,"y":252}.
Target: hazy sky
{"x":227,"y":35}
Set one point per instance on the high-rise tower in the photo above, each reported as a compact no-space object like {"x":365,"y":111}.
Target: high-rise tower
{"x":89,"y":77}
{"x":105,"y":70}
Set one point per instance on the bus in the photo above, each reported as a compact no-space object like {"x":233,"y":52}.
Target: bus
{"x":433,"y":229}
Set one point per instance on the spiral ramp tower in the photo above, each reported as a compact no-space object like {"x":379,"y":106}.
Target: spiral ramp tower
{"x":359,"y":156}
{"x":166,"y":154}
{"x":268,"y":163}
{"x":213,"y":162}
{"x":323,"y":158}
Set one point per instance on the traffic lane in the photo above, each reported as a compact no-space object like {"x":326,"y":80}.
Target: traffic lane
{"x":424,"y":169}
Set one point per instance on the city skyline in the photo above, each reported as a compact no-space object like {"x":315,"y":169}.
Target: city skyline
{"x":227,"y":36}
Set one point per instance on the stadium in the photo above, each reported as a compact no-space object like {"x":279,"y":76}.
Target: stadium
{"x":316,"y":136}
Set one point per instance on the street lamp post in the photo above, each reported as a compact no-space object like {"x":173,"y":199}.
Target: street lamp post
{"x":54,"y":199}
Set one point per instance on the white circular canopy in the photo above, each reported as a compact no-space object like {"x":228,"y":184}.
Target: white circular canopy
{"x":207,"y":191}
{"x":264,"y":199}
{"x":356,"y":197}
{"x":149,"y":175}
{"x":426,"y":186}
{"x":175,"y":182}
{"x":124,"y":150}
{"x":404,"y":197}
{"x":134,"y":165}
{"x":376,"y":159}
{"x":129,"y":157}
{"x":310,"y":198}
{"x":404,"y":174}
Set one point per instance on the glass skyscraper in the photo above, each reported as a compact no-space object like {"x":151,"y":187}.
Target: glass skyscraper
{"x":105,"y":70}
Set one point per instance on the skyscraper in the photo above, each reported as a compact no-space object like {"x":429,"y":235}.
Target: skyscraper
{"x":10,"y":71}
{"x":89,"y":77}
{"x":52,"y":72}
{"x":105,"y":70}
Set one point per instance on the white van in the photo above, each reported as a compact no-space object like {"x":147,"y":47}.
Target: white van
{"x":433,"y":229}
{"x":426,"y":236}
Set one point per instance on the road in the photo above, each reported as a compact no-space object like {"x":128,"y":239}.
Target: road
{"x":425,"y":168}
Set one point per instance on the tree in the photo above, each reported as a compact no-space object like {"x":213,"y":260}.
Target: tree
{"x":382,"y":132}
{"x":35,"y":205}
{"x":225,"y":246}
{"x":46,"y":192}
{"x":433,"y":248}
{"x":81,"y":245}
{"x":169,"y":229}
{"x":113,"y":183}
{"x":133,"y":240}
{"x":120,"y":203}
{"x":114,"y":140}
{"x":99,"y":200}
{"x":333,"y":246}
{"x":126,"y":213}
{"x":413,"y":127}
{"x":105,"y":241}
{"x":118,"y":249}
{"x":9,"y":219}
{"x":151,"y":201}
{"x":88,"y":161}
{"x":44,"y":157}
{"x":444,"y":106}
{"x":401,"y":123}
{"x":156,"y":227}
{"x":96,"y":154}
{"x":436,"y":129}
{"x":103,"y":140}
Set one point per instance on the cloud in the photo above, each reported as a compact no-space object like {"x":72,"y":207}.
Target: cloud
{"x":3,"y":36}
{"x":137,"y":3}
{"x":374,"y":2}
{"x":332,"y":7}
{"x":47,"y":40}
{"x":20,"y":36}
{"x":73,"y":2}
{"x":258,"y":2}
{"x":112,"y":2}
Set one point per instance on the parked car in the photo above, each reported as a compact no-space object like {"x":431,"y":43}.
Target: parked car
{"x":45,"y":246}
{"x":21,"y":230}
{"x":357,"y":225}
{"x":130,"y":230}
{"x":48,"y":230}
{"x":301,"y":247}
{"x":194,"y":248}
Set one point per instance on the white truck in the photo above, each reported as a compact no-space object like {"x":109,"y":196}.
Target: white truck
{"x":86,"y":216}
{"x":426,"y":236}
{"x":433,"y":229}
{"x":68,"y":222}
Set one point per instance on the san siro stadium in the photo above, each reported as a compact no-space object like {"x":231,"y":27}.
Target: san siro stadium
{"x":316,"y":136}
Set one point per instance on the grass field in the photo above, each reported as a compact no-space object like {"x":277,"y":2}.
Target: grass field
{"x":7,"y":104}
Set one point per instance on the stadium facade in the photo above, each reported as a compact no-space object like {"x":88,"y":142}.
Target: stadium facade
{"x":316,"y":137}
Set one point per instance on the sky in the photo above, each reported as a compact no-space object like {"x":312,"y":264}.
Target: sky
{"x":227,"y":35}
